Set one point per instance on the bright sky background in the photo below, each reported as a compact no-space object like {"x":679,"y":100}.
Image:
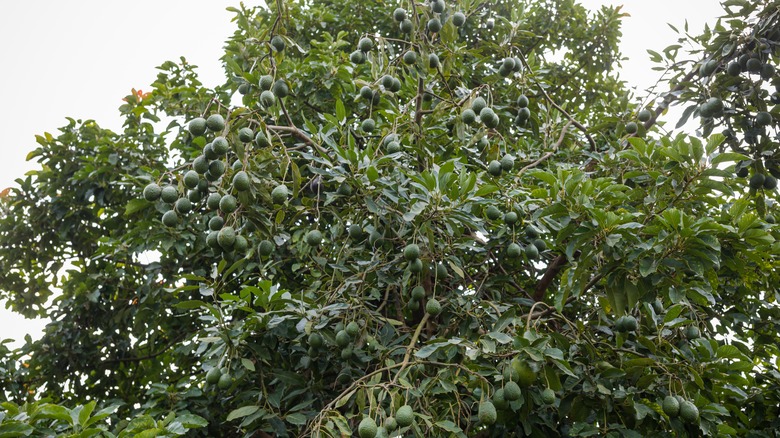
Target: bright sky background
{"x":80,"y":58}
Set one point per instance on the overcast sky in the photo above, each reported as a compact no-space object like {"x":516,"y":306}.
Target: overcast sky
{"x":80,"y":58}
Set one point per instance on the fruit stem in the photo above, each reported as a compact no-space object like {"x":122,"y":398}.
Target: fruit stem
{"x":318,"y":419}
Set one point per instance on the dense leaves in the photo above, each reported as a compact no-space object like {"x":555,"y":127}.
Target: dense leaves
{"x":428,"y":219}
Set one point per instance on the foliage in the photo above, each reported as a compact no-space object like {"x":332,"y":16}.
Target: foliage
{"x":454,"y":230}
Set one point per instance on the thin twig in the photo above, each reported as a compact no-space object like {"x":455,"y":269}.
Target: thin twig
{"x":550,"y":153}
{"x":148,"y":356}
{"x":300,"y":134}
{"x":330,"y":406}
{"x":577,"y":124}
{"x":668,"y":99}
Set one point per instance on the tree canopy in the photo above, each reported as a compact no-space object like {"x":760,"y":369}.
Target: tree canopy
{"x":410,"y":219}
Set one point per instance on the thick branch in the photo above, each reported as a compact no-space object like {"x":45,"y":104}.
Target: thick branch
{"x":418,"y":104}
{"x":552,"y":271}
{"x":411,"y":345}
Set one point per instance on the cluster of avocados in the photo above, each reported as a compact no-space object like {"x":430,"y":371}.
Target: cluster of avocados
{"x":750,"y":77}
{"x":487,"y":115}
{"x":201,"y":184}
{"x":205,"y":182}
{"x":219,"y":181}
{"x":434,"y":24}
{"x":644,"y":115}
{"x":390,"y":84}
{"x":518,"y":376}
{"x":219,"y":377}
{"x":368,"y":428}
{"x":523,"y":112}
{"x":676,"y":406}
{"x":510,"y":65}
{"x":344,"y":339}
{"x":418,"y":293}
{"x":533,"y":245}
{"x":271,"y":90}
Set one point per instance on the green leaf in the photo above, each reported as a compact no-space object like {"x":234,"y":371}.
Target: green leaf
{"x":150,"y":433}
{"x":552,"y":378}
{"x":345,"y":398}
{"x":414,"y":211}
{"x":429,"y":349}
{"x":191,"y":421}
{"x":642,"y":410}
{"x":341,"y":113}
{"x":86,"y":411}
{"x":501,"y":338}
{"x":486,"y":189}
{"x":90,"y":432}
{"x":136,"y":205}
{"x":554,"y":353}
{"x":729,"y":352}
{"x":55,"y":412}
{"x":713,"y":142}
{"x":727,"y":157}
{"x":655,"y":57}
{"x":248,"y":364}
{"x":296,"y":419}
{"x":735,"y":392}
{"x":647,"y":266}
{"x":101,"y":414}
{"x":685,"y":115}
{"x":143,"y":422}
{"x":584,"y":429}
{"x":188,"y":305}
{"x":673,"y":312}
{"x":10,"y":429}
{"x":242,"y":412}
{"x":725,"y":429}
{"x":372,"y":173}
{"x":633,"y":294}
{"x":700,"y":296}
{"x":547,"y":177}
{"x":449,"y":426}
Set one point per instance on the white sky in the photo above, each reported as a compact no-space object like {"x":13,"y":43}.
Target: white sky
{"x":79,"y":59}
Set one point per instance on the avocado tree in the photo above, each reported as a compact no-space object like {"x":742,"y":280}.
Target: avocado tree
{"x":409,"y":219}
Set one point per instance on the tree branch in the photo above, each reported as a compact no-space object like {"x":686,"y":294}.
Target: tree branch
{"x":418,"y":101}
{"x":552,"y":271}
{"x":299,"y":134}
{"x":668,"y":99}
{"x":315,"y":423}
{"x":411,"y":345}
{"x":550,"y":153}
{"x":577,"y":124}
{"x":148,"y":356}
